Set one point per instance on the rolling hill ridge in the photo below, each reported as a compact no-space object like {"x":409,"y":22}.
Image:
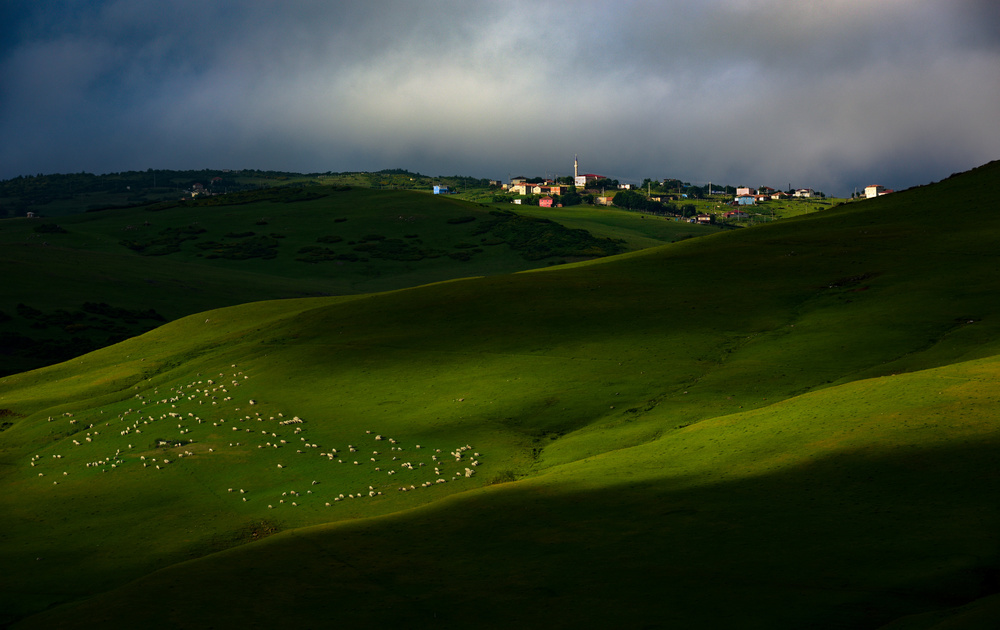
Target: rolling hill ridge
{"x":83,"y":281}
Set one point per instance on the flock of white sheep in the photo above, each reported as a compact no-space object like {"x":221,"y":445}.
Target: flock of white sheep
{"x":203,"y":410}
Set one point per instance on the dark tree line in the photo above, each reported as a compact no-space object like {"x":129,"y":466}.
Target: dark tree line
{"x":631,"y":200}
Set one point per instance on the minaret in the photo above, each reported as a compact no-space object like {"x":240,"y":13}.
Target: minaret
{"x":576,"y":168}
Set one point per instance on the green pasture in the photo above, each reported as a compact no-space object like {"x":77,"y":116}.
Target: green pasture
{"x":638,"y":230}
{"x":792,"y":426}
{"x":186,"y":258}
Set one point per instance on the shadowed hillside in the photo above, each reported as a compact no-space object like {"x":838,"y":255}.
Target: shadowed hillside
{"x":84,"y":281}
{"x":791,"y":426}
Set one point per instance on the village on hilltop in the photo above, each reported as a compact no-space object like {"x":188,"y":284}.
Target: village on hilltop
{"x":658,"y":197}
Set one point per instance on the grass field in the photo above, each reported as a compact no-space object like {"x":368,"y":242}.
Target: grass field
{"x":785,"y":427}
{"x":636,"y":229}
{"x":277,"y":243}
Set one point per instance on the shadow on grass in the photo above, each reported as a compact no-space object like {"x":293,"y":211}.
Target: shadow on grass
{"x":853,"y":540}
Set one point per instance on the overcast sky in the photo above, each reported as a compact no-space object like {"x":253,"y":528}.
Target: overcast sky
{"x":829,"y":95}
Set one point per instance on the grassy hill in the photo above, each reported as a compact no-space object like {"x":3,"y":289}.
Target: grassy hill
{"x":79,"y":282}
{"x":791,"y":426}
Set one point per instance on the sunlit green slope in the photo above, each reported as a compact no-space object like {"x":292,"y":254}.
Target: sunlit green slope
{"x":847,"y":507}
{"x":781,"y":427}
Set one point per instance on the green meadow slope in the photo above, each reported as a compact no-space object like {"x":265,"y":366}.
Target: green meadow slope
{"x":791,"y":426}
{"x":78,"y":282}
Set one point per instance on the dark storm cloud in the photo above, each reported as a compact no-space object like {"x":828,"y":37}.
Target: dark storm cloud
{"x":828,"y":95}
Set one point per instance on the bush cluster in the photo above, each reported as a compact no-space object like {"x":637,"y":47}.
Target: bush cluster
{"x":263,"y":247}
{"x":536,"y":239}
{"x":167,"y":242}
{"x":316,"y":254}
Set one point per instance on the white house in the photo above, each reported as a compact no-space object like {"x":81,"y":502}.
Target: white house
{"x":804,"y":192}
{"x":874,"y":191}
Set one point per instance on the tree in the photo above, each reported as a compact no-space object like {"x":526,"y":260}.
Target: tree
{"x":571,"y":198}
{"x":631,"y":200}
{"x":626,"y":199}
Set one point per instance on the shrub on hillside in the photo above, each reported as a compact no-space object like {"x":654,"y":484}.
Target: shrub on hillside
{"x":394,"y":249}
{"x":537,"y":239}
{"x":168,"y":241}
{"x":28,"y":312}
{"x":50,"y":228}
{"x":257,"y":247}
{"x":315,"y":254}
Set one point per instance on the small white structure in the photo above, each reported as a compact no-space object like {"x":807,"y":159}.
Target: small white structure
{"x":440,"y":190}
{"x":804,"y":193}
{"x":874,"y":191}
